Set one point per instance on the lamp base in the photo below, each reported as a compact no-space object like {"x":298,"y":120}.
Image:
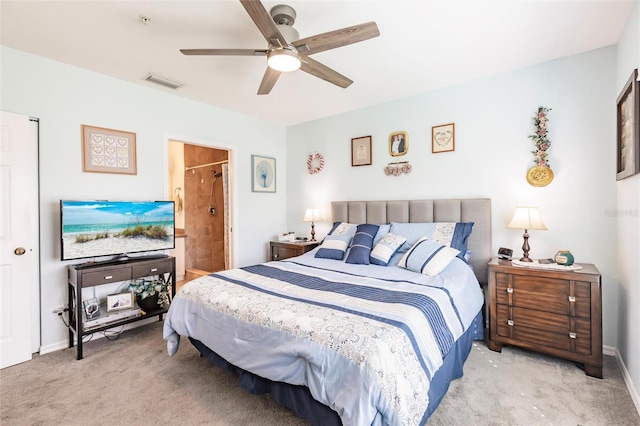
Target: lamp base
{"x":525,"y":248}
{"x":313,"y":232}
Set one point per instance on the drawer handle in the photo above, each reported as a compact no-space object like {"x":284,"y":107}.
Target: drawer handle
{"x":572,"y":335}
{"x":572,"y":298}
{"x":509,"y":290}
{"x":108,"y":277}
{"x":509,"y":322}
{"x":154,"y":269}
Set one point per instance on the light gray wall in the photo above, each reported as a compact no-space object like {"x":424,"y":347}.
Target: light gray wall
{"x":65,"y":97}
{"x":493,"y":118}
{"x":628,"y":222}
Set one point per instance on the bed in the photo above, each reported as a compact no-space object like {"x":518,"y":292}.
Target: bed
{"x":348,"y":341}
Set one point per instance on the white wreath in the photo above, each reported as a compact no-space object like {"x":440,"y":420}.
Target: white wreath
{"x":315,"y":163}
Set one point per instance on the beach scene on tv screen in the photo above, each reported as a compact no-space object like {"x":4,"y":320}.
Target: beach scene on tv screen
{"x":102,"y":228}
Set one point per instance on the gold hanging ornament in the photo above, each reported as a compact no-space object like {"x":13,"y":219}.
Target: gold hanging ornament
{"x":540,"y":174}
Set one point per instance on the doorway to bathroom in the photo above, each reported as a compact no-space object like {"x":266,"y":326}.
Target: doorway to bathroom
{"x":200,"y":186}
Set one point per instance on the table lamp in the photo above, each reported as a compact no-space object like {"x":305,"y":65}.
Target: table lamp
{"x":312,"y":215}
{"x":526,"y":218}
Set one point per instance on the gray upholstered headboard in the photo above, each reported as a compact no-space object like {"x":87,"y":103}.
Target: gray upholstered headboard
{"x":477,"y":210}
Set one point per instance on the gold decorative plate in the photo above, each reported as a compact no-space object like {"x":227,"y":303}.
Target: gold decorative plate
{"x":539,"y":176}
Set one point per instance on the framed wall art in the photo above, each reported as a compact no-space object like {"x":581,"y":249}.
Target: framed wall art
{"x":361,"y":151}
{"x":398,"y":144}
{"x":628,"y":129}
{"x":263,"y":174}
{"x":108,"y":151}
{"x":443,"y":138}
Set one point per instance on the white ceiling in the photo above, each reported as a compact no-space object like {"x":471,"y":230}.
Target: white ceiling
{"x":423,"y":45}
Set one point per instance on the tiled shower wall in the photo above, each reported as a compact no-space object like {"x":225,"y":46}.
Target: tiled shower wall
{"x":204,"y":247}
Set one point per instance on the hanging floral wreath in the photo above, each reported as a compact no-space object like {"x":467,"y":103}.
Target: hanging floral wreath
{"x":315,"y":163}
{"x":540,"y":137}
{"x":396,"y":169}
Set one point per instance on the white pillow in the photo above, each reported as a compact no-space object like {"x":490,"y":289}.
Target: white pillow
{"x":385,"y":248}
{"x":333,"y":247}
{"x":428,"y":257}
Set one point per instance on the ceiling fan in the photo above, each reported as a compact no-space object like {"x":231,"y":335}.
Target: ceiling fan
{"x":286,"y":51}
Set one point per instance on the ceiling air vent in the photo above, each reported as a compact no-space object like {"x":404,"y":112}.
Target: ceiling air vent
{"x":162,"y":81}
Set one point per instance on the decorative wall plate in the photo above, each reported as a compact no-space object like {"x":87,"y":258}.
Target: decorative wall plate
{"x":539,"y":176}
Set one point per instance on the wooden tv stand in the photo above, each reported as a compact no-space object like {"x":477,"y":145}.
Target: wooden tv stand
{"x":90,"y":275}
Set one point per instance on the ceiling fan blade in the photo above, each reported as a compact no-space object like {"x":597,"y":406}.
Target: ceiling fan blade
{"x":319,"y":70}
{"x":337,"y":38}
{"x":268,"y":81}
{"x":264,"y":22}
{"x":232,"y":52}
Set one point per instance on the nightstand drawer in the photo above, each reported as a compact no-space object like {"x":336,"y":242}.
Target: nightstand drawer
{"x":544,"y":294}
{"x":580,"y":344}
{"x":281,"y":250}
{"x":533,"y":292}
{"x":544,"y":321}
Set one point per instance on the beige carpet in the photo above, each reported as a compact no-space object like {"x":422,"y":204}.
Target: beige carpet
{"x":132,"y":381}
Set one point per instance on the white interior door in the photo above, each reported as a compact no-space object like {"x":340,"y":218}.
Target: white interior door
{"x":18,"y":245}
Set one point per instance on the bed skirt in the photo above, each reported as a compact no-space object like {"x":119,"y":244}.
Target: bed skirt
{"x":298,"y":398}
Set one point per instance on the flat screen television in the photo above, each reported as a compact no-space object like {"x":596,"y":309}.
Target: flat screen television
{"x":115,"y":228}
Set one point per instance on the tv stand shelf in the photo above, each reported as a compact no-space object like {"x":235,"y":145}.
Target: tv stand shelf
{"x":88,"y":275}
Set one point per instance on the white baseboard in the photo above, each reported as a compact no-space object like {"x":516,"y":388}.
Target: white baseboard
{"x":58,"y":346}
{"x":635,"y":396}
{"x":64,"y":344}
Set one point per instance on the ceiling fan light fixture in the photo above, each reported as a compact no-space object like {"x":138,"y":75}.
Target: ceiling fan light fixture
{"x":283,"y":60}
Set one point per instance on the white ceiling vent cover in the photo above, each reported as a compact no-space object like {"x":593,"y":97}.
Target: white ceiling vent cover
{"x":162,"y":81}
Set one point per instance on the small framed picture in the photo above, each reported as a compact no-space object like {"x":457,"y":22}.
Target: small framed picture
{"x":361,"y":151}
{"x":398,"y":144}
{"x":443,"y":138}
{"x":108,"y":150}
{"x":628,"y":129}
{"x":91,"y":308}
{"x":117,"y":302}
{"x":263,"y":174}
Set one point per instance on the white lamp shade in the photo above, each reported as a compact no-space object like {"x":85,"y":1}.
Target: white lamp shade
{"x":312,"y":215}
{"x":526,"y":218}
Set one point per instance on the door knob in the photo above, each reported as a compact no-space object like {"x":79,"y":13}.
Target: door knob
{"x":20,"y":251}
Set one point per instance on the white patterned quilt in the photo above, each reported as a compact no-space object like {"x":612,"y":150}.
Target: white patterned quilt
{"x":365,"y":340}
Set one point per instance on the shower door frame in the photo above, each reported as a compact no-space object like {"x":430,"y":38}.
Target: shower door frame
{"x":230,"y":179}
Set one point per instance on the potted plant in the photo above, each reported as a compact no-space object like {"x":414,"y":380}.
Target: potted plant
{"x":151,"y":293}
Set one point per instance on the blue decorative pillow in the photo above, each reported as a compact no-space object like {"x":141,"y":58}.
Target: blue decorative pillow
{"x":453,"y":234}
{"x":428,"y":257}
{"x":334,"y":247}
{"x":412,"y":232}
{"x":362,"y":243}
{"x":386,"y":248}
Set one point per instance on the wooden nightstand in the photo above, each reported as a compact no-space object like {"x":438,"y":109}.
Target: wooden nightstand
{"x":555,"y":312}
{"x":283,"y":249}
